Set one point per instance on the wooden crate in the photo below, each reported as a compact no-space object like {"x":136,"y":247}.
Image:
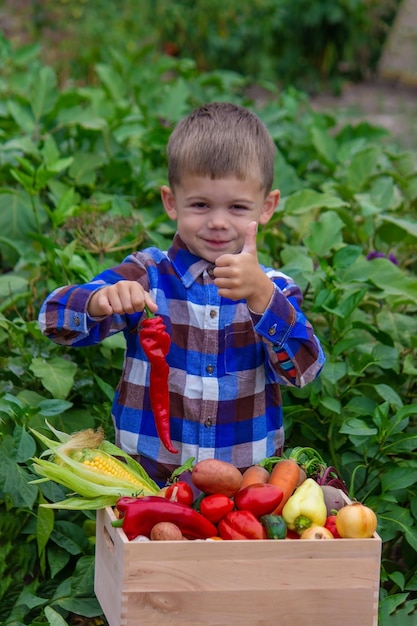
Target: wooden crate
{"x":227,"y":583}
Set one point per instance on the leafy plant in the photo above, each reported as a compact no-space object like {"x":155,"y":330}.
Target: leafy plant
{"x":80,"y":171}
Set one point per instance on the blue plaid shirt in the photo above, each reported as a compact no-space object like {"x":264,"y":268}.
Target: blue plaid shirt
{"x":226,"y":363}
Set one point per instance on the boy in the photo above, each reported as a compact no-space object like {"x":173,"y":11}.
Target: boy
{"x":237,"y":330}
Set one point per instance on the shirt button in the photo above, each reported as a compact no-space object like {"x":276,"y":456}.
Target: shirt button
{"x":208,"y":422}
{"x":272,"y":330}
{"x":76,"y":320}
{"x":210,"y":369}
{"x":213,"y":313}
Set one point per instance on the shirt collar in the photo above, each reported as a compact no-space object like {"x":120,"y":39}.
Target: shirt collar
{"x":188,"y":266}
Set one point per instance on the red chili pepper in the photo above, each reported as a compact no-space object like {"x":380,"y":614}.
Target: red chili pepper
{"x":330,"y":524}
{"x":241,"y":525}
{"x":215,"y":506}
{"x":259,"y":498}
{"x":156,"y":342}
{"x":180,"y":492}
{"x":139,"y":516}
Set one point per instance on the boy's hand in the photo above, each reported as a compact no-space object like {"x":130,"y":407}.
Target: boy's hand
{"x":239,"y":276}
{"x":126,"y":296}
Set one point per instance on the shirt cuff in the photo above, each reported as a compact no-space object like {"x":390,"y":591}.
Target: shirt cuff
{"x":276,"y":323}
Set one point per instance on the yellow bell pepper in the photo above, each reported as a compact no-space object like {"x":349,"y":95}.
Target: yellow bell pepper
{"x":306,"y":507}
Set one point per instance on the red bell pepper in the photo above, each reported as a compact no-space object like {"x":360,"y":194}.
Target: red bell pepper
{"x":156,"y":342}
{"x":241,"y":525}
{"x":215,"y":506}
{"x":259,"y":498}
{"x":139,"y":516}
{"x":330,"y":524}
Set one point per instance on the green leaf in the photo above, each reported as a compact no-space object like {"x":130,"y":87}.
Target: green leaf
{"x":361,"y":167}
{"x":326,"y":233}
{"x":22,"y":116}
{"x":308,"y":199}
{"x":45,"y":519}
{"x":398,"y":478}
{"x":18,"y":216}
{"x":388,"y":394}
{"x":69,"y":536}
{"x":105,"y":387}
{"x":356,"y":426}
{"x":12,"y":284}
{"x":407,"y":225}
{"x":334,"y":371}
{"x":325,"y":144}
{"x":114,"y":82}
{"x":174,"y":104}
{"x":56,"y":374}
{"x":84,"y":167}
{"x":54,"y":618}
{"x":26,"y":446}
{"x":48,"y":408}
{"x":332,"y":404}
{"x":44,"y":92}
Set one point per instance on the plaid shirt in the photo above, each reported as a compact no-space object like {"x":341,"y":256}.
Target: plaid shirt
{"x":226,"y":362}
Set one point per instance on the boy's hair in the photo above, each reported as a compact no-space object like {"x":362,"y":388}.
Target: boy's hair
{"x":221,"y":139}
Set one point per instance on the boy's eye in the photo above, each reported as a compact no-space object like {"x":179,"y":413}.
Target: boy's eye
{"x":199,"y":205}
{"x":239,"y":207}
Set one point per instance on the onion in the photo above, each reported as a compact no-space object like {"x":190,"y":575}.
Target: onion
{"x":356,"y":521}
{"x":317,"y":533}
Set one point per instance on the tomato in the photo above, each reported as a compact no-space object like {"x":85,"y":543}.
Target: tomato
{"x":215,"y":506}
{"x":259,"y":498}
{"x":180,"y":492}
{"x":356,"y":521}
{"x":330,"y":524}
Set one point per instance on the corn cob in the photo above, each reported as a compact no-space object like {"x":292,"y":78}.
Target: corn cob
{"x":80,"y":463}
{"x":106,"y":465}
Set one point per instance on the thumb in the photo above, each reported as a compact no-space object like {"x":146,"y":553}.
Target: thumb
{"x":249,"y":245}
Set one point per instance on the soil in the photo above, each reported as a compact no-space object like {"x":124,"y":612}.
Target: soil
{"x":391,"y":105}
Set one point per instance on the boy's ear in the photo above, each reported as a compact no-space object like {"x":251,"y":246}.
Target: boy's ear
{"x":168,"y":200}
{"x":270,"y":204}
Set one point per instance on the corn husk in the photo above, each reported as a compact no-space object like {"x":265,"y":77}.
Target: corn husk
{"x":89,"y":489}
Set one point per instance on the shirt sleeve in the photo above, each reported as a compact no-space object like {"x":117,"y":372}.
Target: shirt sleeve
{"x":295,"y":354}
{"x":64,"y":319}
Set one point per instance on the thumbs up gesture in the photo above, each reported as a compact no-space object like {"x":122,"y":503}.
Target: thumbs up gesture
{"x":239,"y":276}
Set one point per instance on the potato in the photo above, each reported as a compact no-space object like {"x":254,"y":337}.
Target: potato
{"x":215,"y":476}
{"x":166,"y":531}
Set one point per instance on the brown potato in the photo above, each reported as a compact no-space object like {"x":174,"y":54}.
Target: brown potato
{"x":166,"y":531}
{"x":215,"y":476}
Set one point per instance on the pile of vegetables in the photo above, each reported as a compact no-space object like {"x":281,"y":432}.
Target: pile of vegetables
{"x":214,"y":500}
{"x":290,"y":497}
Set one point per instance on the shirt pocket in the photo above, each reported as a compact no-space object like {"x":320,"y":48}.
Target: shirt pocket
{"x":241,"y":353}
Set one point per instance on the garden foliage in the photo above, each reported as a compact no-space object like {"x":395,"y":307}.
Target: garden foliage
{"x":80,"y":172}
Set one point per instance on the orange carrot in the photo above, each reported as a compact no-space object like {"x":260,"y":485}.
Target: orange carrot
{"x":253,"y":475}
{"x":285,"y":475}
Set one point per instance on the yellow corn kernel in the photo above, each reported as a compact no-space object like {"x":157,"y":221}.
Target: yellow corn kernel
{"x":109,"y":466}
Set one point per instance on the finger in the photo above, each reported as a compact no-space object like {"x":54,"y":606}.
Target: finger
{"x":249,"y":245}
{"x":100,"y":304}
{"x":150,"y":303}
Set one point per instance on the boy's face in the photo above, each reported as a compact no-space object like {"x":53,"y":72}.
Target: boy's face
{"x":213,"y":215}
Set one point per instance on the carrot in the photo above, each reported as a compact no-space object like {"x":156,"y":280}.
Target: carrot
{"x":285,"y":475}
{"x":253,"y":475}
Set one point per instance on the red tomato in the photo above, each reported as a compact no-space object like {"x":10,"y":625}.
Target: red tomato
{"x":330,"y":524}
{"x":259,"y":498}
{"x":215,"y":507}
{"x":180,"y":492}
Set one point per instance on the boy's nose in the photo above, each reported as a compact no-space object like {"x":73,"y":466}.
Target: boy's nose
{"x":217,"y":219}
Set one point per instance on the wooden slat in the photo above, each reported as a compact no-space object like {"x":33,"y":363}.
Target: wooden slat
{"x":236,"y":582}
